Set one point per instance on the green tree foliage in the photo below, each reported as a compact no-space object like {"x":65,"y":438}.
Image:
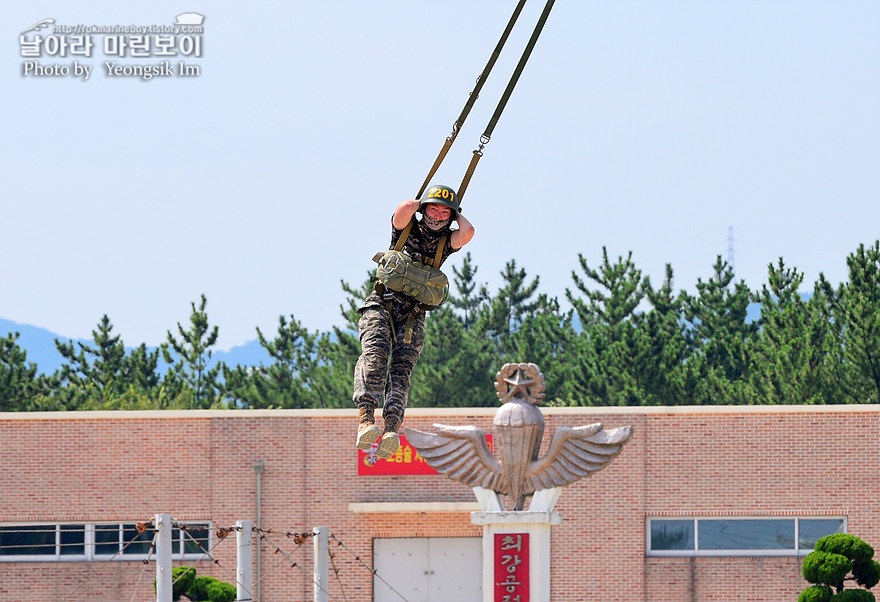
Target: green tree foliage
{"x":189,"y":363}
{"x":103,"y":374}
{"x":21,"y":386}
{"x":836,"y":560}
{"x":719,"y":335}
{"x":605,"y":370}
{"x":199,"y":588}
{"x":623,"y":341}
{"x":855,"y":316}
{"x":465,"y":299}
{"x":505,"y":312}
{"x":787,"y":360}
{"x":661,"y":348}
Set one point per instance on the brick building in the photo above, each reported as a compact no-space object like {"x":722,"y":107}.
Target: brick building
{"x":703,"y":504}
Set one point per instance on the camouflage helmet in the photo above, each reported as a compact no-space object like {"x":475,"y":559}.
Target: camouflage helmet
{"x":440,"y":195}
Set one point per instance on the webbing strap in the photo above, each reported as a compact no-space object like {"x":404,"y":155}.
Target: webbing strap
{"x":515,"y":77}
{"x":403,"y":235}
{"x":438,"y":256}
{"x":469,"y":174}
{"x":410,"y":321}
{"x":472,"y":97}
{"x":484,"y":139}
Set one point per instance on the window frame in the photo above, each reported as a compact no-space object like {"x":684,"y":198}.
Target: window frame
{"x":90,"y":544}
{"x":696,"y":551}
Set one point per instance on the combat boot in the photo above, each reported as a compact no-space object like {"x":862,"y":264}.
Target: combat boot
{"x":368,"y":432}
{"x":390,"y":439}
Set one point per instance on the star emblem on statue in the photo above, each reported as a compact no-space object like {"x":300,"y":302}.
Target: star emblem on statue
{"x":520,"y":380}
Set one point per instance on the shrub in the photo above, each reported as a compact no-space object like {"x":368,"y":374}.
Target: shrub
{"x":854,"y":595}
{"x":826,"y":568}
{"x":846,"y":545}
{"x":816,"y":593}
{"x":181,"y":579}
{"x":829,"y":564}
{"x":198,"y":591}
{"x":867,"y":574}
{"x":219,"y":591}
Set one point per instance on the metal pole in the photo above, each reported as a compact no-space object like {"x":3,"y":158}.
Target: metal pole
{"x":322,"y":574}
{"x":163,"y":558}
{"x":258,"y":468}
{"x":244,"y":577}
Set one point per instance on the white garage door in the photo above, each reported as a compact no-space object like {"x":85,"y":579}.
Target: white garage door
{"x":428,"y":569}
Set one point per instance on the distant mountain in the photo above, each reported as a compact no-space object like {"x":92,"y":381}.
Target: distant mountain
{"x":39,"y":344}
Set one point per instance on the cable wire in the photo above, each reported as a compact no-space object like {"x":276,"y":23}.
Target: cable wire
{"x":368,"y":567}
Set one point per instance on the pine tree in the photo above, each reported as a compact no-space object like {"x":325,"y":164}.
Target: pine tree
{"x":718,"y":335}
{"x":546,"y":337}
{"x":661,"y":348}
{"x":787,"y":357}
{"x":604,"y":370}
{"x":855,"y":318}
{"x":284,"y":382}
{"x":189,"y":372}
{"x":505,"y":312}
{"x":465,"y":299}
{"x":21,"y":385}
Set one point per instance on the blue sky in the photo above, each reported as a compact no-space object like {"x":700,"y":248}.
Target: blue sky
{"x":650,"y":127}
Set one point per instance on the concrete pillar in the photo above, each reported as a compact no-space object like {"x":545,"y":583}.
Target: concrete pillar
{"x":244,"y":576}
{"x":164,"y":545}
{"x":516,"y":554}
{"x":322,"y":568}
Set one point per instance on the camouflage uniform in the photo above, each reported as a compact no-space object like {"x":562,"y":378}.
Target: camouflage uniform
{"x":377,"y":344}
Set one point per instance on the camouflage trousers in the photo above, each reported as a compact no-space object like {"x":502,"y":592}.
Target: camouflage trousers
{"x":384,"y":368}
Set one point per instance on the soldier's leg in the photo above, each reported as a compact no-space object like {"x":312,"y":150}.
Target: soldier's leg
{"x":370,"y":371}
{"x":403,"y":359}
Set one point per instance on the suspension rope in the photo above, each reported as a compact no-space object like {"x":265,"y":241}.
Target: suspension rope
{"x":490,"y":127}
{"x":502,"y":103}
{"x":472,"y":97}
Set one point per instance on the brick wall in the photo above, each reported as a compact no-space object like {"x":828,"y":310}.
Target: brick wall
{"x":200,"y":465}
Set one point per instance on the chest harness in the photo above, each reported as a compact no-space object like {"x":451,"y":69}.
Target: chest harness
{"x":417,"y":276}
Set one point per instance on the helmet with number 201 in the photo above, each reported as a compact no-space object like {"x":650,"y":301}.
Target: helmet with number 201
{"x":440,"y":195}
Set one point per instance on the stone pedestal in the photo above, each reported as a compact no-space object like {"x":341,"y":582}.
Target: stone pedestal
{"x":516,"y":554}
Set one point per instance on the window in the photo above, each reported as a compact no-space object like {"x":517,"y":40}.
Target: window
{"x":96,"y":541}
{"x":738,"y":536}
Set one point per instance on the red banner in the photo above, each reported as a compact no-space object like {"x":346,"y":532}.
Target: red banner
{"x":405,"y":461}
{"x":511,"y":567}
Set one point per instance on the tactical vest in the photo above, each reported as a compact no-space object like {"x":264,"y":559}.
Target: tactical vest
{"x":417,"y":277}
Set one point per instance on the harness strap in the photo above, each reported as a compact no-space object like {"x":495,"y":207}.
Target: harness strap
{"x":438,"y":256}
{"x":410,"y":321}
{"x":472,"y":97}
{"x":484,"y":139}
{"x":470,"y":172}
{"x":519,"y":68}
{"x":403,"y":235}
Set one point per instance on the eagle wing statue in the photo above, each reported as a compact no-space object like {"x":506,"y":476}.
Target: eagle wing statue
{"x":574,"y":453}
{"x":461,"y":453}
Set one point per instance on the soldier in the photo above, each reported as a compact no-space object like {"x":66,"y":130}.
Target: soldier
{"x":392,"y":323}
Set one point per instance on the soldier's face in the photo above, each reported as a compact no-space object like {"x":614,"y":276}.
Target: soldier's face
{"x":440,"y":213}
